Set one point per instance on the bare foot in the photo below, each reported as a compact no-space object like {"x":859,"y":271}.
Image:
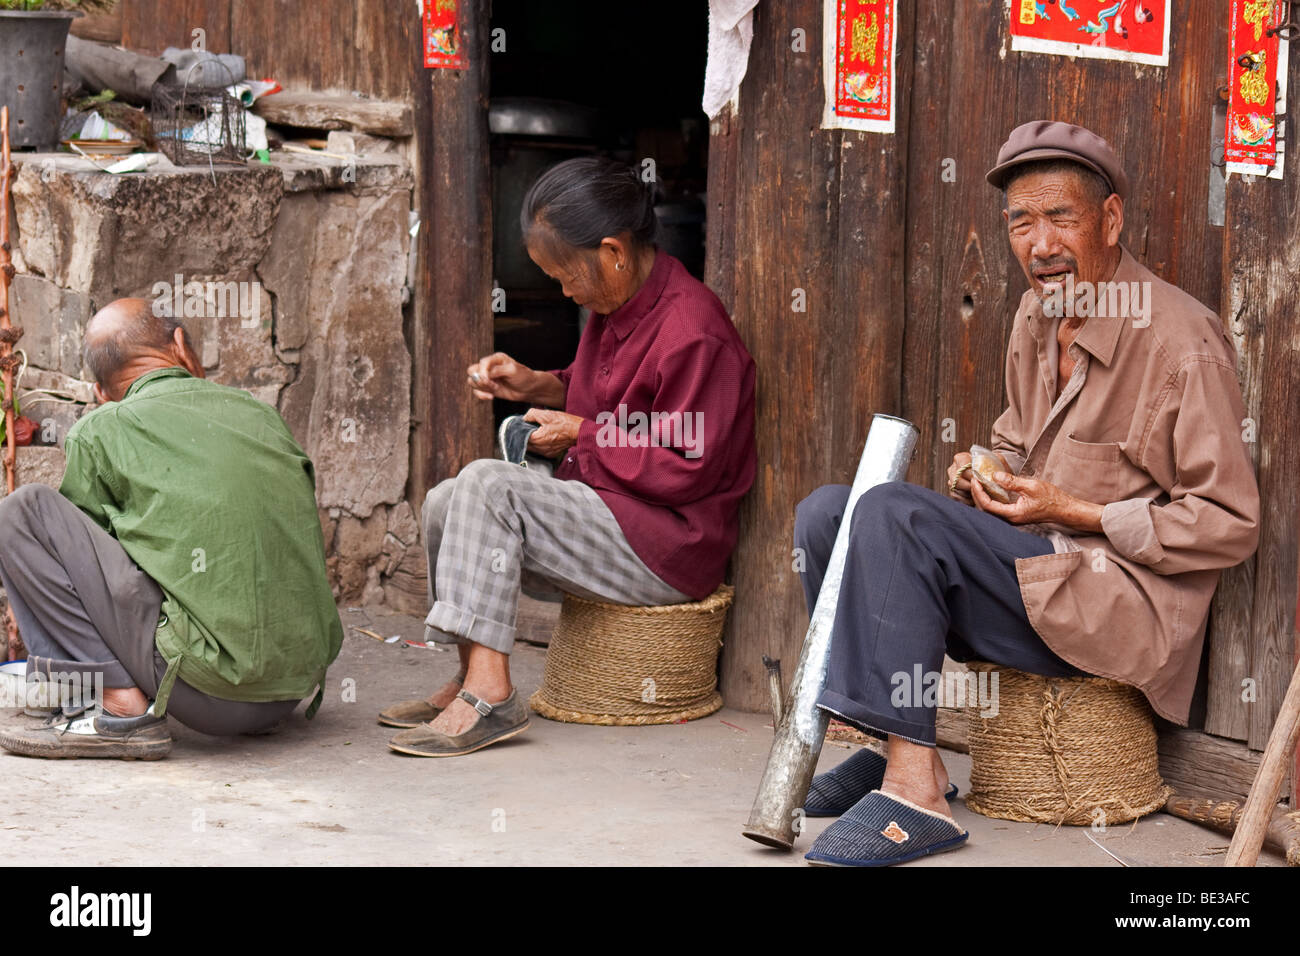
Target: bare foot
{"x":444,"y":695}
{"x":125,"y":701}
{"x":916,"y":774}
{"x":927,"y":796}
{"x":459,"y":716}
{"x":940,"y":774}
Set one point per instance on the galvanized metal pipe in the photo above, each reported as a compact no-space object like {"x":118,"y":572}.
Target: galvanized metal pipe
{"x":778,"y":809}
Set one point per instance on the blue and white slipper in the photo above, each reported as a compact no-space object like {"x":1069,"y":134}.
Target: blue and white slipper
{"x":882,"y":829}
{"x":833,"y":792}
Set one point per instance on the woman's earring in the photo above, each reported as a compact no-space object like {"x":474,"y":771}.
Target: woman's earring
{"x":618,"y":266}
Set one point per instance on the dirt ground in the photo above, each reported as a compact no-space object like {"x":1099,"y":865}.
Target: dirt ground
{"x":330,"y":792}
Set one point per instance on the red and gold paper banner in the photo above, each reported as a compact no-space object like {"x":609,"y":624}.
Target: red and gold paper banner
{"x":442,"y":48}
{"x":859,"y":39}
{"x":1251,"y":136}
{"x":1132,"y":30}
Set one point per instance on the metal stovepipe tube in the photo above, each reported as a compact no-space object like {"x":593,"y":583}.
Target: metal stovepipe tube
{"x":778,"y":809}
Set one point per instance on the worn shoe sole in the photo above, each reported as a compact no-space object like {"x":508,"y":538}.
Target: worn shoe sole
{"x":399,"y":724}
{"x":488,"y":741}
{"x":69,"y":746}
{"x":947,"y":847}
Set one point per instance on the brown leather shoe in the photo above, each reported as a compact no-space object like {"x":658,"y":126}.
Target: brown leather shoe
{"x":496,"y":722}
{"x":408,"y":713}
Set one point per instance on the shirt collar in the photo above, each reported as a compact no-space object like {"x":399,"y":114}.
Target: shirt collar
{"x":174,"y":371}
{"x":624,"y":319}
{"x":1100,"y":333}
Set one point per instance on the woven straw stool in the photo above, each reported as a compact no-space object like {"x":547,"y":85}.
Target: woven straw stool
{"x":1063,"y":750}
{"x":616,"y":665}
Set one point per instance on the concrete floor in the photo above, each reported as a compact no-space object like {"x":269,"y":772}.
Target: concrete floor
{"x":330,"y":792}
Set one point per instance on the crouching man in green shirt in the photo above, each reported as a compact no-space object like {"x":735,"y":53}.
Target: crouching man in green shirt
{"x":180,"y":565}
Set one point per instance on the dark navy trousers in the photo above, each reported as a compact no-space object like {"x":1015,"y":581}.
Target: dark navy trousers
{"x":924,"y":574}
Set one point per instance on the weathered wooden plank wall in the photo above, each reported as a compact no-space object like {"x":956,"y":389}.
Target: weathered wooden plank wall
{"x":809,"y":216}
{"x":1261,"y":265}
{"x":936,"y":267}
{"x":150,"y":27}
{"x":324,"y":46}
{"x":452,"y":319}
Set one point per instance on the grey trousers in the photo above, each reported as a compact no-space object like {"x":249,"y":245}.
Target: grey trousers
{"x":84,"y":607}
{"x":924,"y":574}
{"x":497,"y":527}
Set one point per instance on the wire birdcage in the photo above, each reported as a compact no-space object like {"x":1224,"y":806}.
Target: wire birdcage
{"x":199,"y":125}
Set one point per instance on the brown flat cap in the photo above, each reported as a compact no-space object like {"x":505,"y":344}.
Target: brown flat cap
{"x":1044,"y":139}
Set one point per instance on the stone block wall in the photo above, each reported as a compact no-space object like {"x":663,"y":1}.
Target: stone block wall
{"x":290,"y":279}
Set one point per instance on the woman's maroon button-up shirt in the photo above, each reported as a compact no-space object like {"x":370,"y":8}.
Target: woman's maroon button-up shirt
{"x":666,"y":388}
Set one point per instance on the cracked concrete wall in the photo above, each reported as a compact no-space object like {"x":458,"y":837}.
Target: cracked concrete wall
{"x":315,"y":254}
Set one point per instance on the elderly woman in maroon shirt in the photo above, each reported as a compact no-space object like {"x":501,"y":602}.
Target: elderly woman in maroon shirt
{"x":654,"y":449}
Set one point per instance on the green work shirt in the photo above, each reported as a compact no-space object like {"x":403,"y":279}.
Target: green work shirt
{"x":210,"y":495}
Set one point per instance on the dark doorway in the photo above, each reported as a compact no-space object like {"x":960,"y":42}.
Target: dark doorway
{"x":579,"y":78}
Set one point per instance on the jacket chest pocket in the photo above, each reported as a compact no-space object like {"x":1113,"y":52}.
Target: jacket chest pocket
{"x":1095,"y":471}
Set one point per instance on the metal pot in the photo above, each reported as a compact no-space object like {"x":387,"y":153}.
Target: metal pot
{"x":31,"y":73}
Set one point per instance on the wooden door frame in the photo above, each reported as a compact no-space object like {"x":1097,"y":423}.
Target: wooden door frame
{"x":451,"y":316}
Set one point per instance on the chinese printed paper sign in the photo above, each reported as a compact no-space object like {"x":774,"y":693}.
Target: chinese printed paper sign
{"x":1132,"y":30}
{"x":442,"y":47}
{"x":1251,"y":136}
{"x":859,"y":51}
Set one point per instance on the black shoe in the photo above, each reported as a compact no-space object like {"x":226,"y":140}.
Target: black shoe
{"x":512,"y":438}
{"x":89,"y":735}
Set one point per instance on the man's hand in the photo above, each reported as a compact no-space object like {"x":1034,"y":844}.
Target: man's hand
{"x":959,"y":480}
{"x":499,"y":376}
{"x":1036,"y":501}
{"x":959,"y":477}
{"x":557,"y":435}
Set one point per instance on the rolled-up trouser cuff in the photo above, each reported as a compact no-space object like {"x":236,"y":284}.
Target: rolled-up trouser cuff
{"x":851,"y":712}
{"x":115,"y":675}
{"x":467,"y":626}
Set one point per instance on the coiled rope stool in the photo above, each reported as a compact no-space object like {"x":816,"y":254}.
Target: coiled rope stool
{"x":1063,"y":750}
{"x":616,"y":665}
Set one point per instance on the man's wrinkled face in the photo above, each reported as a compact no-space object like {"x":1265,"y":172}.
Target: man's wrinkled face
{"x":1057,"y":230}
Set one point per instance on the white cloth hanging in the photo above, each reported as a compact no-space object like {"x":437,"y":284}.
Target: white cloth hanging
{"x":731,"y":31}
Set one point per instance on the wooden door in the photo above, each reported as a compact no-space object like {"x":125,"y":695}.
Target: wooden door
{"x":911,"y":288}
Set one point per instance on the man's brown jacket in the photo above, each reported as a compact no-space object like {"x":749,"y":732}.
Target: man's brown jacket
{"x":1151,"y":425}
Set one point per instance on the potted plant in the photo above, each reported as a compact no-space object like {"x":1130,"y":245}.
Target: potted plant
{"x":33,"y":35}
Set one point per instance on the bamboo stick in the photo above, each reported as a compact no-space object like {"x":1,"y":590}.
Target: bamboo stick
{"x":1255,"y":816}
{"x":8,"y":335}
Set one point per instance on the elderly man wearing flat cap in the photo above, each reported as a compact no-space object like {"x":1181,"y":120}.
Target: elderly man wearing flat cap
{"x":1129,"y":485}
